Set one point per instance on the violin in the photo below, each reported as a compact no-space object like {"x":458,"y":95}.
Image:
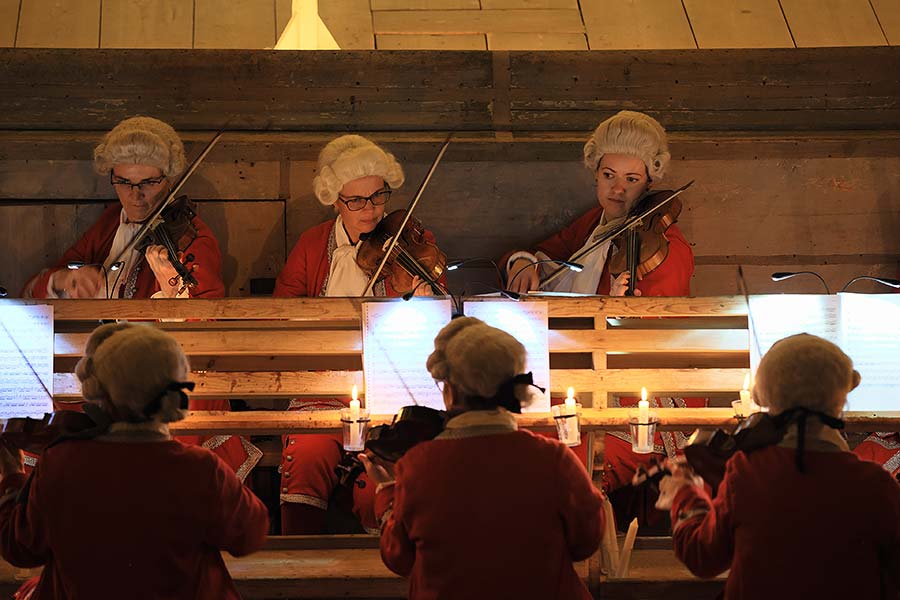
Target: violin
{"x":409,"y":427}
{"x":174,"y":229}
{"x":412,"y":256}
{"x":646,"y":246}
{"x":34,"y":435}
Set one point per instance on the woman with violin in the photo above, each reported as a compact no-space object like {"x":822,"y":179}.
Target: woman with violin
{"x":143,"y":157}
{"x":102,"y":528}
{"x":337,"y":258}
{"x":486,"y":510}
{"x":629,"y":155}
{"x":802,"y":517}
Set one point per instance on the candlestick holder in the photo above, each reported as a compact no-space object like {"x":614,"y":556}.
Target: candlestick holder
{"x":568,"y":427}
{"x":642,"y":434}
{"x":355,"y":428}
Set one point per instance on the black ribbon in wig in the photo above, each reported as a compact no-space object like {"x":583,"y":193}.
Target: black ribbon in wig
{"x":506,"y":394}
{"x":155,"y":405}
{"x":800,"y":416}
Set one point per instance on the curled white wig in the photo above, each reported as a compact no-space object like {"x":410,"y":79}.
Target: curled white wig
{"x":351,"y":157}
{"x":634,"y":133}
{"x":141,"y":141}
{"x":805,"y":371}
{"x":478,"y":359}
{"x":127,"y":366}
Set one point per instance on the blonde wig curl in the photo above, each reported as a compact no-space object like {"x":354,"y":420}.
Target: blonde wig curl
{"x":141,"y":141}
{"x":634,"y":133}
{"x":351,"y":157}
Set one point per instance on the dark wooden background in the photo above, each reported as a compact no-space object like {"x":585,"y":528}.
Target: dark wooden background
{"x":796,"y":153}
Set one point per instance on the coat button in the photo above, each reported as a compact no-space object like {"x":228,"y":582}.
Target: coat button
{"x":287,"y":474}
{"x":292,"y":442}
{"x":284,"y":490}
{"x":289,"y":457}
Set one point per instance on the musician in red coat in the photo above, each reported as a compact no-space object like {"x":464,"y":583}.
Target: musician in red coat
{"x":143,"y":158}
{"x":805,"y":518}
{"x":485,"y":510}
{"x":101,"y":527}
{"x":629,"y":155}
{"x":356,"y":177}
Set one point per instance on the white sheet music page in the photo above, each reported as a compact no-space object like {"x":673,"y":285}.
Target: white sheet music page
{"x":778,"y":316}
{"x":870,"y":327}
{"x":527,"y":322}
{"x":26,"y":360}
{"x":398,"y":336}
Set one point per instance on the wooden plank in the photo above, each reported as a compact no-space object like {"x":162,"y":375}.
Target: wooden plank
{"x":738,"y":24}
{"x":636,"y":340}
{"x":537,"y":41}
{"x":478,"y":21}
{"x":53,"y":24}
{"x":833,"y":23}
{"x":349,"y":22}
{"x":425,"y":4}
{"x":237,"y":179}
{"x":251,"y":239}
{"x":9,"y":22}
{"x":283,"y":12}
{"x":234,"y":24}
{"x":888,"y":13}
{"x":632,"y":24}
{"x":470,"y":41}
{"x":236,"y":343}
{"x":525,"y":4}
{"x":146,"y":24}
{"x":724,"y":278}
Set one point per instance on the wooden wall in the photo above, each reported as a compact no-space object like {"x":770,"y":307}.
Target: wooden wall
{"x":795,"y":153}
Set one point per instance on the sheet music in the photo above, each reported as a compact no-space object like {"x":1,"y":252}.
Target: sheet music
{"x":870,"y":328}
{"x":778,"y":316}
{"x":398,"y":336}
{"x":527,"y":322}
{"x":26,"y":360}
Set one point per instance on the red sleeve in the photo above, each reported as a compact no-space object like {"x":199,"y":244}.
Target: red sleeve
{"x":581,"y":506}
{"x":398,"y":552}
{"x":208,"y":259}
{"x":240,"y":521}
{"x":891,"y":553}
{"x":702,"y":529}
{"x":569,"y":240}
{"x":22,"y":536}
{"x":673,"y":276}
{"x":293,"y":280}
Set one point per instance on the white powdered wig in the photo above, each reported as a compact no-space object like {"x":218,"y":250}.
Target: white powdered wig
{"x":141,"y":141}
{"x":127,"y":366}
{"x":634,"y":133}
{"x":478,"y":359}
{"x":351,"y":157}
{"x":805,"y":371}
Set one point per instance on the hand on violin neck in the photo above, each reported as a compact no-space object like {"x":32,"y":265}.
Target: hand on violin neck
{"x":620,"y":285}
{"x":421,"y":288}
{"x":378,"y":471}
{"x":170,"y":283}
{"x":669,"y":486}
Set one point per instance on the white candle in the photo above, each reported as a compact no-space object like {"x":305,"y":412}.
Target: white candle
{"x":643,"y":419}
{"x":570,"y":401}
{"x":745,"y":396}
{"x":355,"y":425}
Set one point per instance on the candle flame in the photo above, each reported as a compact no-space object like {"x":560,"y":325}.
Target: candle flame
{"x":570,"y":393}
{"x":746,"y":381}
{"x":355,"y":392}
{"x":643,"y":393}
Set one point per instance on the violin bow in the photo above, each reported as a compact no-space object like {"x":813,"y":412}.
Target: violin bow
{"x":151,"y":221}
{"x":613,"y":231}
{"x":407,"y":216}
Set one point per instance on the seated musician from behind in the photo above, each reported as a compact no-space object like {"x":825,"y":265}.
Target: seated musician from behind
{"x":805,"y":518}
{"x":356,"y":177}
{"x":143,"y":158}
{"x":629,"y":155}
{"x":486,"y":510}
{"x":102,"y":528}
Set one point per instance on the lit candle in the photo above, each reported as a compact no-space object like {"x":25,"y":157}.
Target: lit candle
{"x":643,"y":419}
{"x":745,"y":396}
{"x":355,"y":426}
{"x":570,"y":401}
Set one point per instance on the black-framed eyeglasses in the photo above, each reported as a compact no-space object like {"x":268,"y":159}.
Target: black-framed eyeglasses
{"x":355,"y":203}
{"x":146,"y":184}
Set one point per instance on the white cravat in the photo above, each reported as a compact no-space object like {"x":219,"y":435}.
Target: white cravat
{"x":345,"y":278}
{"x":587,"y":280}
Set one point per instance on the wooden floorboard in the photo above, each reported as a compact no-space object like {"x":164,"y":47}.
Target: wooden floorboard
{"x":888,"y":14}
{"x":54,"y":24}
{"x":159,"y":24}
{"x":738,"y":24}
{"x":637,"y":24}
{"x":833,"y":23}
